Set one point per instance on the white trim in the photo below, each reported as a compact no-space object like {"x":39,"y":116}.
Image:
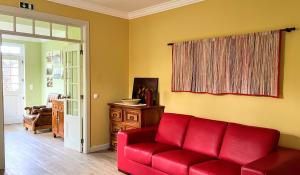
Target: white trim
{"x":14,"y":11}
{"x":66,"y":21}
{"x":94,"y":7}
{"x":82,"y":4}
{"x":2,"y":147}
{"x":99,"y":148}
{"x":160,"y":8}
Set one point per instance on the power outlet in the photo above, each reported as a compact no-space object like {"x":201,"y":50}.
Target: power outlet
{"x":26,"y":5}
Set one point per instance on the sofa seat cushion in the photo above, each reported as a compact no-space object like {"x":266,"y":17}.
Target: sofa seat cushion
{"x":244,"y":144}
{"x":204,"y":136}
{"x":215,"y":167}
{"x":172,"y":129}
{"x":143,"y":152}
{"x":177,"y":162}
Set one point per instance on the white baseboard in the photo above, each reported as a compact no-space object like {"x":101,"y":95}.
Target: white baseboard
{"x":99,"y":147}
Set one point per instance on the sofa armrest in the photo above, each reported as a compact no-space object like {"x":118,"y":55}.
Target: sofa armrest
{"x":137,"y":135}
{"x":131,"y":137}
{"x":281,"y":162}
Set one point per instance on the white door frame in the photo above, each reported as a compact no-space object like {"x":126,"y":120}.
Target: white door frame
{"x":2,"y":149}
{"x":86,"y":65}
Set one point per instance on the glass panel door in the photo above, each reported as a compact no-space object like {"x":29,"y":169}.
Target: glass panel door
{"x":73,"y":119}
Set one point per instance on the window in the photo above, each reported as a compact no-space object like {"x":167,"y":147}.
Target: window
{"x":59,"y":30}
{"x":6,"y":22}
{"x":39,"y":28}
{"x":24,"y":25}
{"x":42,"y":28}
{"x":74,"y":33}
{"x":5,"y":49}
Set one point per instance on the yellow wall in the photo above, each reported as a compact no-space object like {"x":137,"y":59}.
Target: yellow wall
{"x":149,"y":56}
{"x":109,"y":60}
{"x":144,"y":40}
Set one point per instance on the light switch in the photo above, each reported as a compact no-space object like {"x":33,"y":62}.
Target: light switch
{"x":96,"y":96}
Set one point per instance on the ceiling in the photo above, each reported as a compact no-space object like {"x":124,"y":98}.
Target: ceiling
{"x":128,"y":9}
{"x":128,"y":5}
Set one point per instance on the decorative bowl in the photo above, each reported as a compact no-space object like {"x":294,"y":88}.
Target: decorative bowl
{"x":131,"y":101}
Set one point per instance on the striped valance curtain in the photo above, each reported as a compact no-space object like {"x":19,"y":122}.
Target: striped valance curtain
{"x":244,"y":64}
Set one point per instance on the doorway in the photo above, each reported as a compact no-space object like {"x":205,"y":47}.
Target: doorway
{"x":76,"y":71}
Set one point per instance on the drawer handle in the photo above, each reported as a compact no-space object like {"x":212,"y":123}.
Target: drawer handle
{"x":117,"y":129}
{"x":114,"y":115}
{"x":131,"y":117}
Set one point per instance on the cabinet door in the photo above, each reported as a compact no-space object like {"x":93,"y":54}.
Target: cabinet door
{"x":61,"y":124}
{"x":54,"y":121}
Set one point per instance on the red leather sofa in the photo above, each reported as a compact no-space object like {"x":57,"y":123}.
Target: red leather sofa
{"x":186,"y":145}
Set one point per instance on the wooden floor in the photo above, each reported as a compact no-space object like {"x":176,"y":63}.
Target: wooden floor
{"x":41,"y":154}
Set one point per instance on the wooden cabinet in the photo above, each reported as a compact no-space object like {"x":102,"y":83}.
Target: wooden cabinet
{"x":124,"y":117}
{"x":58,"y":118}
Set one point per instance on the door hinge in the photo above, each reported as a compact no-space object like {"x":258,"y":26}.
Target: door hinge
{"x":81,"y":97}
{"x":82,"y":141}
{"x":81,"y":52}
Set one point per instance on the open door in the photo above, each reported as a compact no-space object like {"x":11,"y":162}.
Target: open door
{"x":73,"y":99}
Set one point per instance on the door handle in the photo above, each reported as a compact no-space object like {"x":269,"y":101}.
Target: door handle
{"x":66,"y":97}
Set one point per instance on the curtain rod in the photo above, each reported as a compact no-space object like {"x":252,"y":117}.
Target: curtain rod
{"x":289,"y":29}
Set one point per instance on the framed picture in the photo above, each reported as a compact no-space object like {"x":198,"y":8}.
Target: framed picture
{"x":141,"y":85}
{"x":58,"y":69}
{"x":49,"y":82}
{"x":49,"y":69}
{"x":49,"y":57}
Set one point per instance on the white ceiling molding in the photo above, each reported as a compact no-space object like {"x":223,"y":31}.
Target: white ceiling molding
{"x":160,"y":8}
{"x":82,"y":4}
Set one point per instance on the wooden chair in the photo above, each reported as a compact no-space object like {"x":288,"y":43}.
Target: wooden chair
{"x":40,"y":117}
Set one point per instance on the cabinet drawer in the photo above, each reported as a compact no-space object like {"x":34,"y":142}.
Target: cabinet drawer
{"x":54,"y":106}
{"x":116,"y":127}
{"x":128,"y":127}
{"x":132,"y":116}
{"x":116,"y":114}
{"x":61,"y":107}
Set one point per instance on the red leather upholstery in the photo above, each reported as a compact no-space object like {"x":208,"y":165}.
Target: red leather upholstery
{"x":172,"y":129}
{"x":282,"y":162}
{"x":243,"y":144}
{"x":204,"y":136}
{"x":143,"y":152}
{"x":177,"y":162}
{"x":215,"y":167}
{"x":133,"y":137}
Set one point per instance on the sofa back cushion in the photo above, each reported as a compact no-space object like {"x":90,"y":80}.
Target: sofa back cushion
{"x":172,"y":129}
{"x":244,"y":144}
{"x":205,"y":136}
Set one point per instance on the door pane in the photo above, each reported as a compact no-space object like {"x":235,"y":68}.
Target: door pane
{"x":6,"y":22}
{"x":10,"y":49}
{"x":58,"y":30}
{"x":42,"y":28}
{"x":74,"y":32}
{"x":24,"y":25}
{"x":11,"y":79}
{"x":72,"y":107}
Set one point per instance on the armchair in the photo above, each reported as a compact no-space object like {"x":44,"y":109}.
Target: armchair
{"x":40,"y":117}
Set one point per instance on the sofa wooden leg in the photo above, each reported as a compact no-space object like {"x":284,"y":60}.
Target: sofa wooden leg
{"x":26,"y":128}
{"x":34,"y":132}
